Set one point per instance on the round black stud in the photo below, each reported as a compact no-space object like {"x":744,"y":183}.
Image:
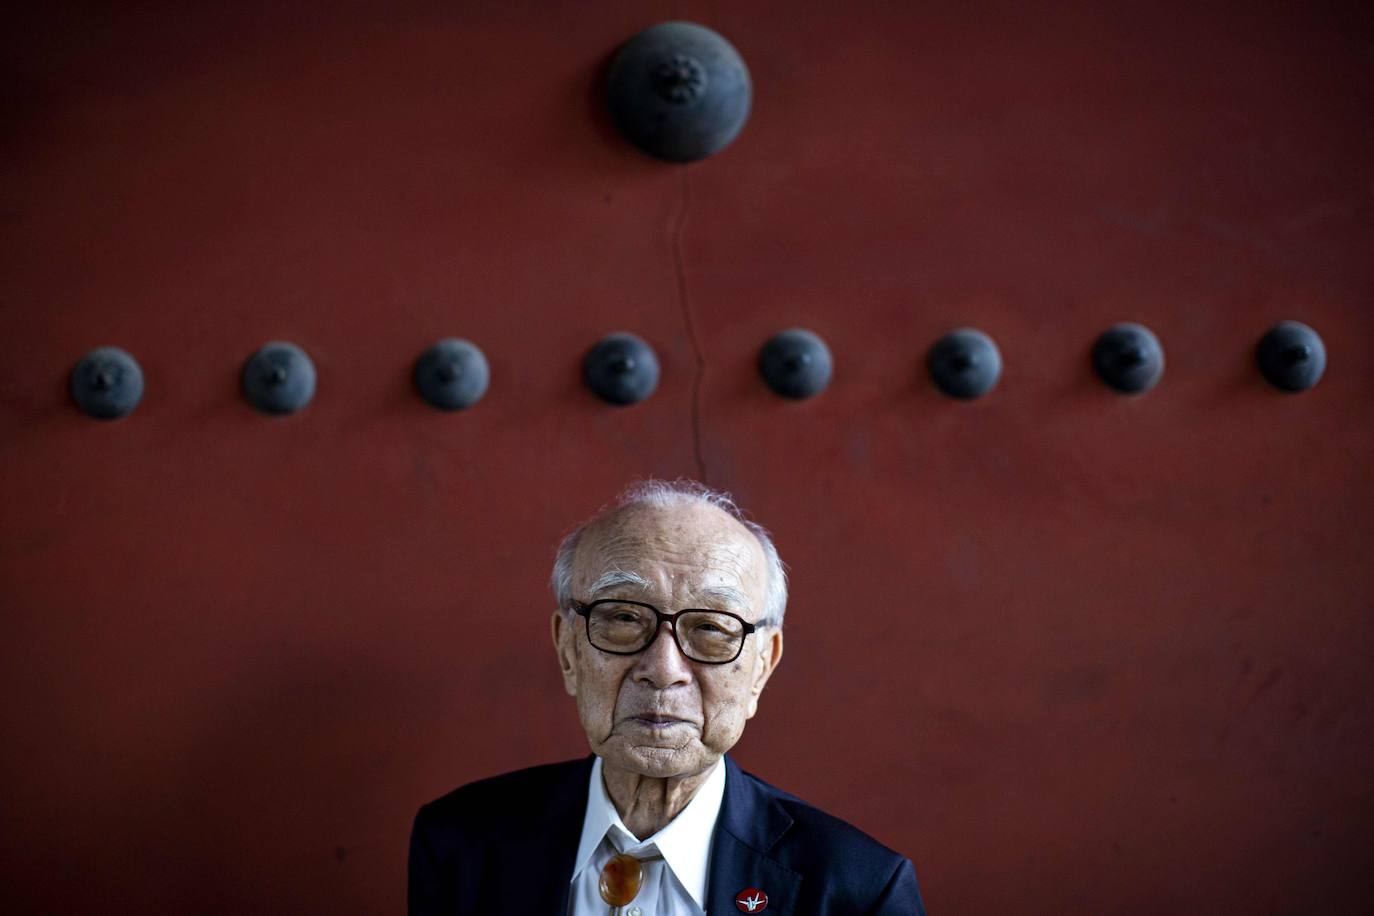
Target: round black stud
{"x":679,"y":91}
{"x":279,"y":378}
{"x":1129,"y":358}
{"x":796,"y":364}
{"x":621,"y":369}
{"x":965,"y":363}
{"x":452,"y":375}
{"x":107,"y":383}
{"x":1291,"y":356}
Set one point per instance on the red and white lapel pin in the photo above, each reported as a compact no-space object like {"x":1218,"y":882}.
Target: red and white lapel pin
{"x":751,"y":900}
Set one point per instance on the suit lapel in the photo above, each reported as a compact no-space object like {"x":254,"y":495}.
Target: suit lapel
{"x":751,"y":822}
{"x":548,"y":851}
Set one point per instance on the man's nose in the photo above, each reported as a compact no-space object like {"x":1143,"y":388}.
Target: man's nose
{"x":662,"y":664}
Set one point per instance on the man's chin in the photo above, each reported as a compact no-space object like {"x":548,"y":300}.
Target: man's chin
{"x":655,"y":761}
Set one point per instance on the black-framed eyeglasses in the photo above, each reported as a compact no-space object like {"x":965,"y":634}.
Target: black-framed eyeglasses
{"x":621,"y":627}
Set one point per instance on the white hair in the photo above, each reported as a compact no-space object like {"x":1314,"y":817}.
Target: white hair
{"x":663,"y":494}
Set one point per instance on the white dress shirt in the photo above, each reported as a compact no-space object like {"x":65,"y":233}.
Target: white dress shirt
{"x":674,"y":885}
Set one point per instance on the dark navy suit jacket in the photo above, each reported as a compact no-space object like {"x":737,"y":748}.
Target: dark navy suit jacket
{"x":506,"y":846}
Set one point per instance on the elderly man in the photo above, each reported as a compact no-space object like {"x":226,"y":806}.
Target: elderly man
{"x":668,"y":626}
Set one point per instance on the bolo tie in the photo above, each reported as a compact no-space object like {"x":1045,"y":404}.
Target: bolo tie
{"x":621,"y":880}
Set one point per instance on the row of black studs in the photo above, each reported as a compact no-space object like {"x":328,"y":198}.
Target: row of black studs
{"x":622,"y":369}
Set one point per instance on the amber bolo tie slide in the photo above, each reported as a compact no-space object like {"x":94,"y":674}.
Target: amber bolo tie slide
{"x":622,"y":878}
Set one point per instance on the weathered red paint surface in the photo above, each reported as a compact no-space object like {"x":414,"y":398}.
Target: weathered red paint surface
{"x":1071,"y":652}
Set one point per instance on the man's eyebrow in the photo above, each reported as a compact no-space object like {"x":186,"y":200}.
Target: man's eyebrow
{"x":620,"y":578}
{"x":710,"y":596}
{"x":722,"y":595}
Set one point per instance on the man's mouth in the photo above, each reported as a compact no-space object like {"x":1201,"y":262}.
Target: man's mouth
{"x":656,"y":721}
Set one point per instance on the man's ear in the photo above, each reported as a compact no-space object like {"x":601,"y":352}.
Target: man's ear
{"x":564,"y":643}
{"x":770,"y":654}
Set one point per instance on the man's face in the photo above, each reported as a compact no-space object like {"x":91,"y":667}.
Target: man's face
{"x":658,"y":713}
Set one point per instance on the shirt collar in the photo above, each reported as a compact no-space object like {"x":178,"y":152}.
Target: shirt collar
{"x":685,"y":842}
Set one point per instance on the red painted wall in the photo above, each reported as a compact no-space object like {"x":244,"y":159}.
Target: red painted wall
{"x":1072,"y":652}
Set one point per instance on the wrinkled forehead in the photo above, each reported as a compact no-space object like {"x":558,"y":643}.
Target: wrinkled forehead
{"x":683,"y":551}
